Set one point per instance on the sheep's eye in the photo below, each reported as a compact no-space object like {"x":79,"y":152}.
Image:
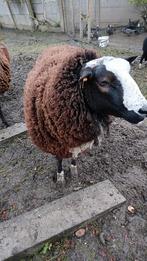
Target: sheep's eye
{"x":104,"y":83}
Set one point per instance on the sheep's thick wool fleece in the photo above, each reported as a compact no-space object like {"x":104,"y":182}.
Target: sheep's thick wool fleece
{"x":4,"y":69}
{"x":55,"y":112}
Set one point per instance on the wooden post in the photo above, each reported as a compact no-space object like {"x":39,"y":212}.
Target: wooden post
{"x":62,"y":15}
{"x":11,"y":14}
{"x":68,"y":16}
{"x":30,"y":9}
{"x":90,"y":7}
{"x":99,"y":13}
{"x":81,"y":26}
{"x":63,"y":2}
{"x":72,"y":17}
{"x":31,"y":12}
{"x":81,"y":21}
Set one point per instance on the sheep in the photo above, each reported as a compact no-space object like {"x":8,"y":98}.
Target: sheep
{"x":144,"y":55}
{"x":4,"y":75}
{"x":70,"y":96}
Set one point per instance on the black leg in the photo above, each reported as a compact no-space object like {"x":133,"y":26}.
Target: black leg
{"x":59,"y":176}
{"x":142,"y":57}
{"x":3,"y":118}
{"x":59,"y":164}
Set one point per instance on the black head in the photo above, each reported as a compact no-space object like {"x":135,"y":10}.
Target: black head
{"x":109,"y":89}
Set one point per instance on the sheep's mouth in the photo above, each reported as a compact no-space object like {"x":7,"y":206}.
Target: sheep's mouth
{"x":143,"y":112}
{"x":132,"y":117}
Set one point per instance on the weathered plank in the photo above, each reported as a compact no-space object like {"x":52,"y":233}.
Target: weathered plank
{"x":12,"y":131}
{"x":50,"y":220}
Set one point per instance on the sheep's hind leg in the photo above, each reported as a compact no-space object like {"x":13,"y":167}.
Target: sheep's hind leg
{"x":73,"y":168}
{"x":145,"y":60}
{"x":3,"y":118}
{"x":59,"y":176}
{"x":141,"y":60}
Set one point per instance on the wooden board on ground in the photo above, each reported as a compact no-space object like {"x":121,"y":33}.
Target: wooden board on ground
{"x":12,"y":132}
{"x":59,"y":216}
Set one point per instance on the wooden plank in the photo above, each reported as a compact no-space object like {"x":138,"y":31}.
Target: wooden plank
{"x":12,"y":131}
{"x":90,"y":8}
{"x":11,"y":14}
{"x":61,"y":13}
{"x":59,"y":216}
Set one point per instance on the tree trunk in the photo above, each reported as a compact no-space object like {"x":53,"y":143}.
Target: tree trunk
{"x":90,"y":6}
{"x":72,"y":17}
{"x":81,"y":21}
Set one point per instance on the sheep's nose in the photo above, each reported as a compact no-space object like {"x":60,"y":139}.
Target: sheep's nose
{"x":143,"y":110}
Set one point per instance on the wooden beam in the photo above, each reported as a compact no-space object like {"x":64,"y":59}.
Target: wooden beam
{"x":90,"y":9}
{"x":12,"y":131}
{"x":11,"y":14}
{"x":81,"y":21}
{"x":72,"y":16}
{"x":30,"y":10}
{"x":55,"y":218}
{"x":62,"y":15}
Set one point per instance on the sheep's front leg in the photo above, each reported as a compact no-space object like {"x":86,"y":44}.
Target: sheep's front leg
{"x":59,"y":176}
{"x":3,"y":118}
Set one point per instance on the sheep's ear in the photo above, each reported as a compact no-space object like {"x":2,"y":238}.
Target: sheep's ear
{"x":131,"y":59}
{"x":86,"y":74}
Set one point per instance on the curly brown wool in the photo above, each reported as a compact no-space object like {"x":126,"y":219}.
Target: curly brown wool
{"x":4,"y":69}
{"x":55,"y":112}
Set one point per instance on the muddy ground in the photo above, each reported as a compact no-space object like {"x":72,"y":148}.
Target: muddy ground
{"x":26,"y":173}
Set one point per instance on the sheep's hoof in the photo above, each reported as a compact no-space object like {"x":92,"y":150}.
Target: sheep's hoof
{"x":59,"y":177}
{"x":73,"y":170}
{"x":140,"y":66}
{"x":74,"y":173}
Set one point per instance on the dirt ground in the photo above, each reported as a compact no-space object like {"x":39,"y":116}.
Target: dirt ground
{"x":26,"y":173}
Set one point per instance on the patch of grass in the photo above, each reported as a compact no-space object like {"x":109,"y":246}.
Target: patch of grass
{"x":38,"y":41}
{"x":54,"y":251}
{"x":29,"y":49}
{"x":59,"y":250}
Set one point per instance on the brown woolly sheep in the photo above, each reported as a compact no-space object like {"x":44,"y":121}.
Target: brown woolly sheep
{"x":4,"y":75}
{"x":70,"y":95}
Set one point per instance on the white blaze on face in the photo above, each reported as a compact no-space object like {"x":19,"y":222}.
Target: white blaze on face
{"x":132,"y":96}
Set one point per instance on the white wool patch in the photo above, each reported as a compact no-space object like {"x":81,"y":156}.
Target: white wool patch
{"x":132,"y":98}
{"x":99,"y":61}
{"x":88,"y":145}
{"x":77,"y":150}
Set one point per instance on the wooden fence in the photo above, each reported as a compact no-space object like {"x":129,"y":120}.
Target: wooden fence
{"x":62,"y":15}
